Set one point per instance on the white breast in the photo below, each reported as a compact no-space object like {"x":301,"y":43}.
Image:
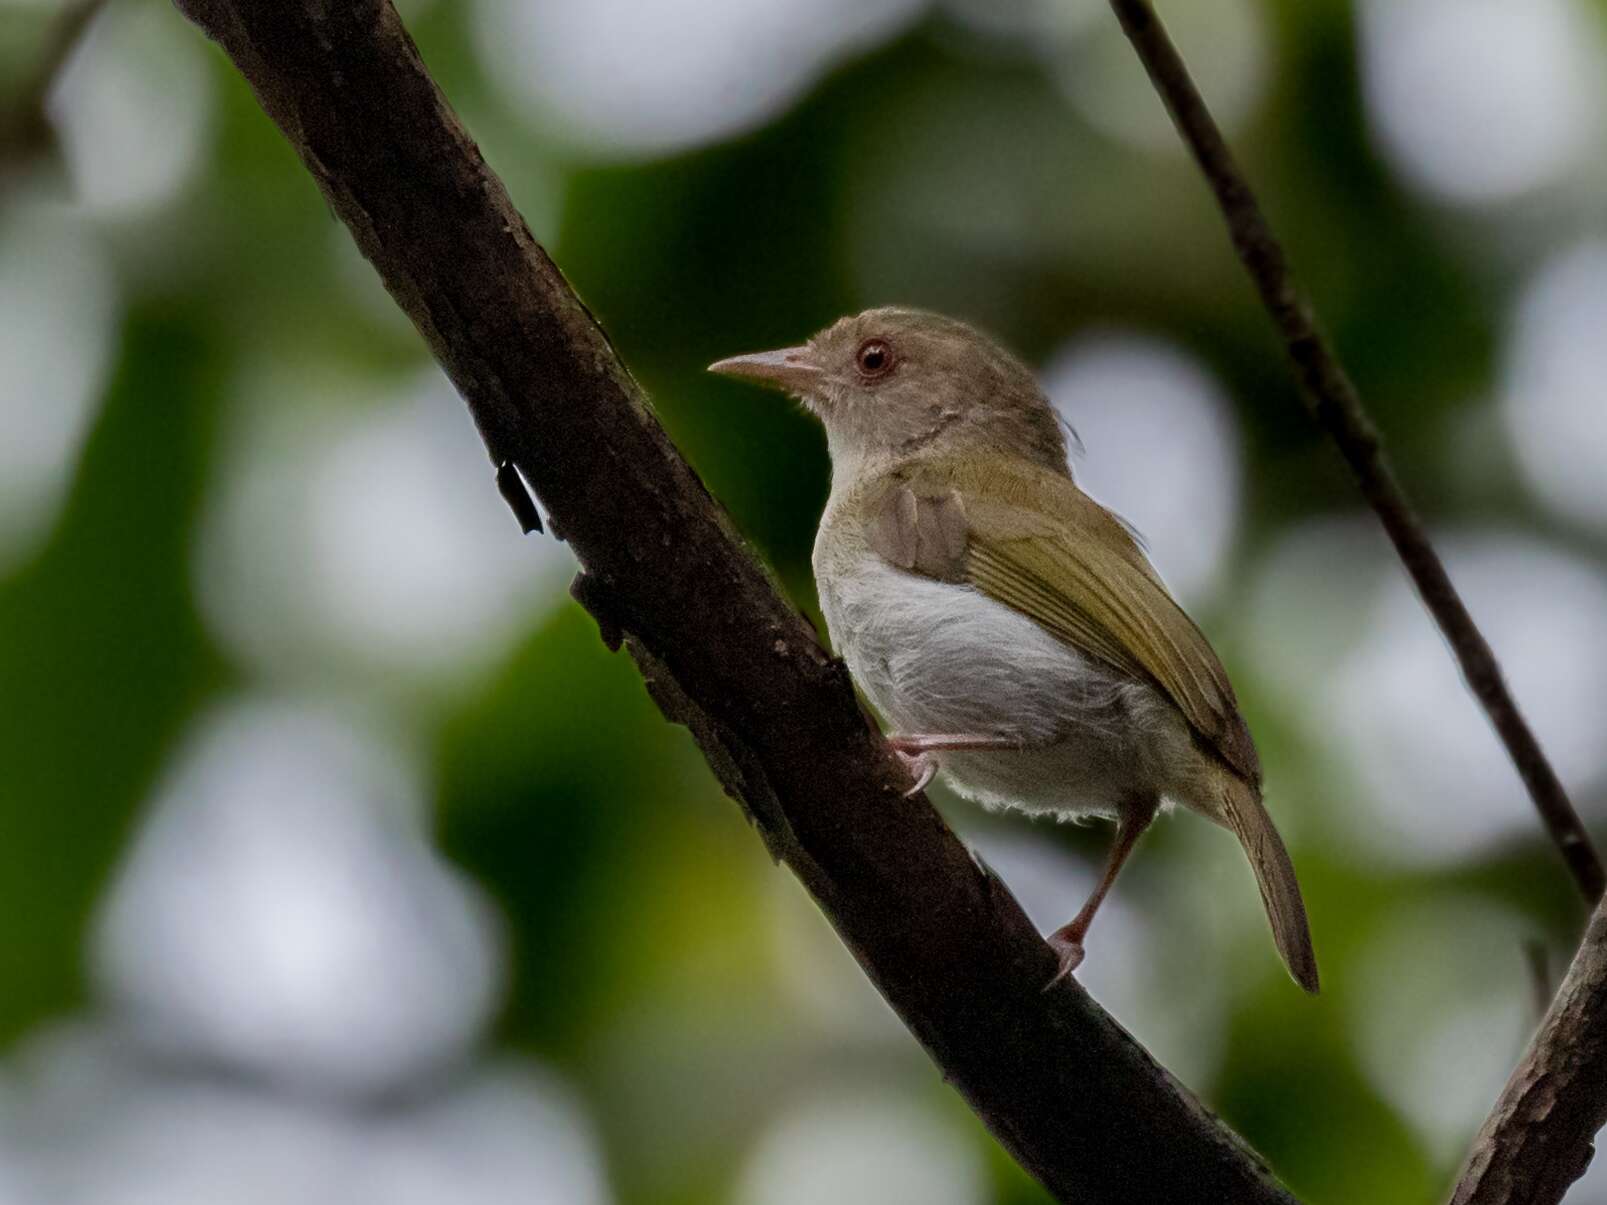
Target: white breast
{"x":937,"y":657}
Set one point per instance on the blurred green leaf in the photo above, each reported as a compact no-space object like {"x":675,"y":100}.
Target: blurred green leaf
{"x":101,"y":660}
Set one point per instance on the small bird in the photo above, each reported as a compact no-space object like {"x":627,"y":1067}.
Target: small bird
{"x":1008,"y":627}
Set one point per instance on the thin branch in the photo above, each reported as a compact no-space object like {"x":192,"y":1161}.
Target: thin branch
{"x":25,"y":129}
{"x":1338,"y":410}
{"x":1539,"y":1138}
{"x":1062,"y":1086}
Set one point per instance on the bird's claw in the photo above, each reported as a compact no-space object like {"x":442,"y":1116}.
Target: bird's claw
{"x":1070,"y":952}
{"x":922,"y":768}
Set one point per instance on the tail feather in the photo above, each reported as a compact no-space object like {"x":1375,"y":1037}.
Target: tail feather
{"x":1275,"y":875}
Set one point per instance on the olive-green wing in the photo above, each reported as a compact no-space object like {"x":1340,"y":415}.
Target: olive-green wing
{"x":1035,"y":542}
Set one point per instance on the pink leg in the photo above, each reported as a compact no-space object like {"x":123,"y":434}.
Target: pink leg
{"x":1067,"y":940}
{"x":915,"y":751}
{"x":927,"y":742}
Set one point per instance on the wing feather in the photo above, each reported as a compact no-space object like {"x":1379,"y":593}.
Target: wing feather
{"x":1035,"y":542}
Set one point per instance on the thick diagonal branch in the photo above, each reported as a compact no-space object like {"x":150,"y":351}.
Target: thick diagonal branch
{"x":1067,"y":1092}
{"x":1339,"y":411}
{"x":1540,"y":1137}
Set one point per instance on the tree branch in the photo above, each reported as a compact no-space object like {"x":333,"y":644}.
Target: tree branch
{"x":1067,"y":1092}
{"x":1338,"y":409}
{"x":1539,"y":1138}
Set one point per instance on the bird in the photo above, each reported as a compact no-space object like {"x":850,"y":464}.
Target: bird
{"x":1009,"y":629}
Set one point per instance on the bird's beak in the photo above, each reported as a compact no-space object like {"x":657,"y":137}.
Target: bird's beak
{"x":787,"y":369}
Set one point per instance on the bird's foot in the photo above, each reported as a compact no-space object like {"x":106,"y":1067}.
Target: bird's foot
{"x":922,"y":768}
{"x":1068,"y":947}
{"x":916,"y":749}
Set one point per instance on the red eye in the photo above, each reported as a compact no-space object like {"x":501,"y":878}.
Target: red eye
{"x":874,"y":358}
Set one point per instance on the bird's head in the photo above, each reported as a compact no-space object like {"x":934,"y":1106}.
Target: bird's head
{"x":893,"y":383}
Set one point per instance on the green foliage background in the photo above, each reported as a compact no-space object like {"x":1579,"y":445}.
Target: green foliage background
{"x":654,"y":955}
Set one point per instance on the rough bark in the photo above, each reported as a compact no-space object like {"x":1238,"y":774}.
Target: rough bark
{"x":1063,"y":1087}
{"x":1540,"y":1137}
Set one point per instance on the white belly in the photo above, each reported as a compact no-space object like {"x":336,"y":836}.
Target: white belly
{"x":935,"y":657}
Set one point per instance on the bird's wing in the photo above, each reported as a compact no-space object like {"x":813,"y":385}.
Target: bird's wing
{"x":1032,"y":540}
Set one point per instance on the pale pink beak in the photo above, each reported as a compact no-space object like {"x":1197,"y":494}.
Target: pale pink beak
{"x":787,"y":369}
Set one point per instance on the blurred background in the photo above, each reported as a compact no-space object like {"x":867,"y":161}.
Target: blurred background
{"x":340,"y":862}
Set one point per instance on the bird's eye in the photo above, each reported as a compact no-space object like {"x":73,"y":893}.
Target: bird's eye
{"x":874,"y":358}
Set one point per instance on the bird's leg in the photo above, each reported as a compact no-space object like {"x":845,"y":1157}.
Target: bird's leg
{"x":915,"y":751}
{"x":928,"y":742}
{"x":1067,"y":940}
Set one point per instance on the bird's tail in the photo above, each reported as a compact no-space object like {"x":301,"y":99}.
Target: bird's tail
{"x":1275,"y":875}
